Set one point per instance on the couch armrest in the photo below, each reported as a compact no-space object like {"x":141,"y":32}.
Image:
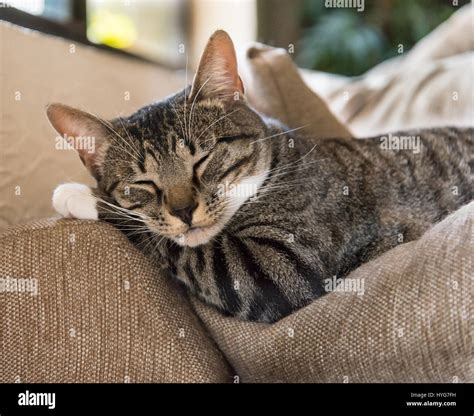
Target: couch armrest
{"x":80,"y":304}
{"x":412,"y":323}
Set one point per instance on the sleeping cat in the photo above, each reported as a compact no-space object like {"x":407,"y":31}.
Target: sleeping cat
{"x":253,"y":218}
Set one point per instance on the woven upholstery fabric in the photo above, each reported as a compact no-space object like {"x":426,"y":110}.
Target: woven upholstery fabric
{"x":102,"y":313}
{"x":275,"y":88}
{"x":412,"y":324}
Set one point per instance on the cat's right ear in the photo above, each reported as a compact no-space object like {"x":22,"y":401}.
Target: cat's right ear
{"x":84,"y":132}
{"x":217,"y":75}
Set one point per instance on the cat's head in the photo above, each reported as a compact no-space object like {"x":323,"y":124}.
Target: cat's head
{"x":184,"y":165}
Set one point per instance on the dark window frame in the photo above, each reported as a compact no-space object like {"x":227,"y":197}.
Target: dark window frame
{"x":74,"y":30}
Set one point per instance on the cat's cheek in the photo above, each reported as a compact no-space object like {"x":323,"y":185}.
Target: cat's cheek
{"x":74,"y":200}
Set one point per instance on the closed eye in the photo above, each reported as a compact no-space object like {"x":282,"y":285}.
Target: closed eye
{"x":230,"y":139}
{"x":148,"y":183}
{"x":200,"y":162}
{"x":134,"y":206}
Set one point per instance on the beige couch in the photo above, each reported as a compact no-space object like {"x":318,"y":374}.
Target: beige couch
{"x":79,"y":303}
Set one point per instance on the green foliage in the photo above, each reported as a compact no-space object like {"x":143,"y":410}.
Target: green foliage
{"x":349,"y":42}
{"x":341,"y":42}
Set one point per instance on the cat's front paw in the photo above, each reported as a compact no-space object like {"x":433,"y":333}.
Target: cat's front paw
{"x":74,"y":200}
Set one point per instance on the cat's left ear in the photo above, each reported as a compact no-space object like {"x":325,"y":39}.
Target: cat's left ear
{"x":217,"y":75}
{"x":84,"y":132}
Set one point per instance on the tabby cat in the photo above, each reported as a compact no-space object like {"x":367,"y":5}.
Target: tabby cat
{"x":250,"y":217}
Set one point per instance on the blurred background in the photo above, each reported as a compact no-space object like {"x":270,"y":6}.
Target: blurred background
{"x":346,"y":41}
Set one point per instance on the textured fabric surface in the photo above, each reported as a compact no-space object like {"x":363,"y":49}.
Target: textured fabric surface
{"x":412,"y":324}
{"x":101,"y":313}
{"x":275,"y":88}
{"x":436,"y":94}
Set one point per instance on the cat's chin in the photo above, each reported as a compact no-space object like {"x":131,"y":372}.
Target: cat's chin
{"x":197,"y":236}
{"x":236,"y":196}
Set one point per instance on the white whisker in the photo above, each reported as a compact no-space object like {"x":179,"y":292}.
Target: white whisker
{"x":279,"y":134}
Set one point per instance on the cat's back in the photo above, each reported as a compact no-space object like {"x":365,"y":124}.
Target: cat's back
{"x":417,"y":176}
{"x":414,"y":177}
{"x":456,"y":143}
{"x":447,"y":153}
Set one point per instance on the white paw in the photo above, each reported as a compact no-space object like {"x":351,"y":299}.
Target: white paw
{"x":74,"y":200}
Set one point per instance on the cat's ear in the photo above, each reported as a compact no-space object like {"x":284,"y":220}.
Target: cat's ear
{"x":84,"y":132}
{"x":217,"y":75}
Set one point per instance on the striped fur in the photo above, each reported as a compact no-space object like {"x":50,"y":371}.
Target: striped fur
{"x":324,"y":208}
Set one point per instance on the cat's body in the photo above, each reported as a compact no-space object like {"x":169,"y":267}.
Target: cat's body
{"x":327,"y":210}
{"x":250,"y":218}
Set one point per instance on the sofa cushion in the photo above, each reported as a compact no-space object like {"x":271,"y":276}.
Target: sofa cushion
{"x":80,"y":304}
{"x":434,"y":94}
{"x":274,"y":87}
{"x":412,"y":323}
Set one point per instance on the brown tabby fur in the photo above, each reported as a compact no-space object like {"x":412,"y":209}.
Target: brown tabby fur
{"x":323,"y":209}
